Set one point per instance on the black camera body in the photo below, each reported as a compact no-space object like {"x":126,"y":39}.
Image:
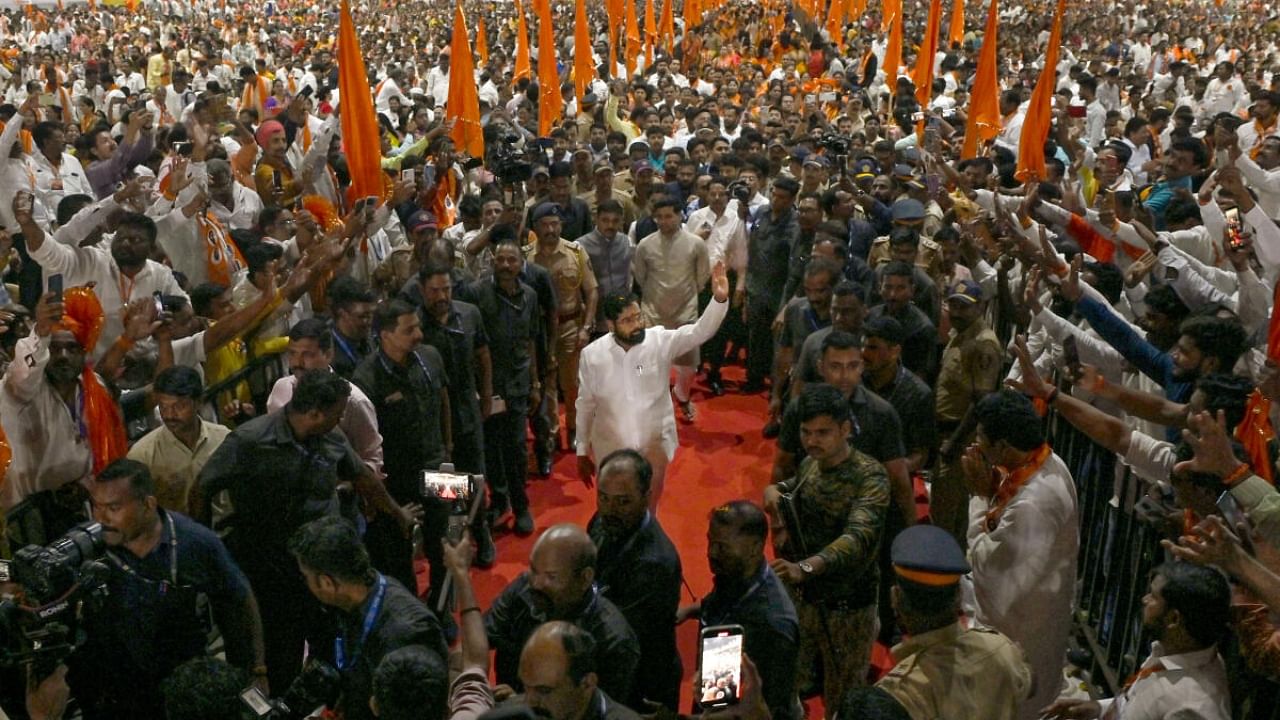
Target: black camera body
{"x":740,"y":191}
{"x":318,"y":684}
{"x":510,"y":164}
{"x":43,"y":629}
{"x":834,"y":144}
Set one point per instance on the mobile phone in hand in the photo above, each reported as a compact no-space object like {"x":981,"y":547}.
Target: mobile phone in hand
{"x":720,"y":666}
{"x":55,"y":285}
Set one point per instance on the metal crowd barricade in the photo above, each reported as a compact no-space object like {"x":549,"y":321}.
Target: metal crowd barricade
{"x":1117,"y":554}
{"x":1118,"y":551}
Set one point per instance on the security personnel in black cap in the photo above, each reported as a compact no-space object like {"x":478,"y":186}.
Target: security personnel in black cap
{"x":945,"y":670}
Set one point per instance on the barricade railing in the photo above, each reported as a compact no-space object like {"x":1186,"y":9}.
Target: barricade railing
{"x":1118,"y":551}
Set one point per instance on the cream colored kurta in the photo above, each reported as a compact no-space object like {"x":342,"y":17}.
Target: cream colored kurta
{"x":1024,"y":574}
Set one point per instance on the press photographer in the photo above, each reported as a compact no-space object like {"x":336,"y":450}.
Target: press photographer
{"x":375,"y":613}
{"x":148,"y":621}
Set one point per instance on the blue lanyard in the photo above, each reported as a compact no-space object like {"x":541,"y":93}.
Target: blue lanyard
{"x":346,"y":349}
{"x":370,"y":616}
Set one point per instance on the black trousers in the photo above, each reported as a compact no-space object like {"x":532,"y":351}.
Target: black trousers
{"x":392,"y":552}
{"x":731,"y":330}
{"x":760,"y":314}
{"x":291,"y":615}
{"x":506,"y":455}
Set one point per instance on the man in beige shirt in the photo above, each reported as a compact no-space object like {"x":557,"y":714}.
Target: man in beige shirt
{"x":672,"y":266}
{"x":576,"y":292}
{"x":177,"y":451}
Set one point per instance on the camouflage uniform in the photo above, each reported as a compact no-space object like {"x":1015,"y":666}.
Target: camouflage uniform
{"x":841,"y":513}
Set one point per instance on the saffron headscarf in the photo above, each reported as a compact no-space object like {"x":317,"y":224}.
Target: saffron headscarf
{"x":102,"y":423}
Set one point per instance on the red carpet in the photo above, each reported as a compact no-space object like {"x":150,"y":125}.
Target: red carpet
{"x":722,"y":456}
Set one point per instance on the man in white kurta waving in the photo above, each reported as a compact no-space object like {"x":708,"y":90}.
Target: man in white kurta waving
{"x":624,"y":398}
{"x":1023,"y":538}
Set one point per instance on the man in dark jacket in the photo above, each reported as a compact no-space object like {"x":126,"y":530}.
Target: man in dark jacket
{"x":639,"y":570}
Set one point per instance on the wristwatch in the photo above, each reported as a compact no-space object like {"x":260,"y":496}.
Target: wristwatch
{"x":806,"y":567}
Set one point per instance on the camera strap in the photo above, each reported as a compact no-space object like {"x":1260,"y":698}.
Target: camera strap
{"x":173,"y":560}
{"x":370,"y":617}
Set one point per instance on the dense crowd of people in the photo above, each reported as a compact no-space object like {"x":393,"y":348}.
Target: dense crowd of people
{"x":273,"y":302}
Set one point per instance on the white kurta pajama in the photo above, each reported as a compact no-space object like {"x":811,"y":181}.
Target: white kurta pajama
{"x":624,"y":399}
{"x":1024,"y":574}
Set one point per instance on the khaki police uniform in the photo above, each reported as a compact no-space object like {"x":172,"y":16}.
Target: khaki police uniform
{"x":571,"y":273}
{"x":953,"y":673}
{"x":969,"y":370}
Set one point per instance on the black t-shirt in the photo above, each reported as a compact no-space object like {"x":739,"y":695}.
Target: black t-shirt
{"x":877,"y":431}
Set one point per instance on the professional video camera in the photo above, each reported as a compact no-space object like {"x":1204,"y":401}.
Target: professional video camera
{"x":41,"y":626}
{"x":834,"y":144}
{"x":740,"y":191}
{"x":318,"y":684}
{"x":508,"y":163}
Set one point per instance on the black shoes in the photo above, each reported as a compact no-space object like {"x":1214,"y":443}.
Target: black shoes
{"x":714,"y":383}
{"x":524,"y":522}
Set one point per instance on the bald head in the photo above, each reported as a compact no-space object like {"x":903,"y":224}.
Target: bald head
{"x":561,"y":571}
{"x":557,"y":669}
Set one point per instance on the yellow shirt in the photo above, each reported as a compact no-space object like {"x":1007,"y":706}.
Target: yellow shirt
{"x":175,"y":466}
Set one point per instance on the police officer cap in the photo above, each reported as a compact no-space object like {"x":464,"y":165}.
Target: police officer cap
{"x":908,"y":210}
{"x":546,"y":209}
{"x":928,"y":555}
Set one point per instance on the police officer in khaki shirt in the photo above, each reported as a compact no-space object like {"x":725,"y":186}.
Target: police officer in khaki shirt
{"x":970,"y":369}
{"x":575,"y":284}
{"x":908,"y":212}
{"x":606,"y":189}
{"x":943,"y":670}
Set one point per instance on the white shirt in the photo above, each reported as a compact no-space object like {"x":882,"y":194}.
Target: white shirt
{"x":48,"y":451}
{"x":624,"y":398}
{"x":1229,"y":96}
{"x":83,"y":265}
{"x":69,"y":173}
{"x":16,"y":174}
{"x":728,"y":239}
{"x":359,"y":421}
{"x":438,"y":85}
{"x":1024,"y":574}
{"x":1191,"y":685}
{"x":245,"y":214}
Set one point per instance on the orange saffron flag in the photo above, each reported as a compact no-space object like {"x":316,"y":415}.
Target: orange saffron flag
{"x":650,"y":32}
{"x":835,"y":20}
{"x":523,"y":69}
{"x":855,"y":9}
{"x":692,"y":14}
{"x":1035,"y":126}
{"x":984,"y":101}
{"x":923,"y":75}
{"x":667,"y":26}
{"x":583,"y":69}
{"x":550,"y":101}
{"x":360,"y":136}
{"x":955,"y":34}
{"x":482,"y":41}
{"x":893,"y":53}
{"x":633,"y":37}
{"x":613,"y":9}
{"x":463,"y":105}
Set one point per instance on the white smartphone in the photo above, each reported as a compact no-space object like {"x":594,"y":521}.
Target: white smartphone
{"x":406,"y":175}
